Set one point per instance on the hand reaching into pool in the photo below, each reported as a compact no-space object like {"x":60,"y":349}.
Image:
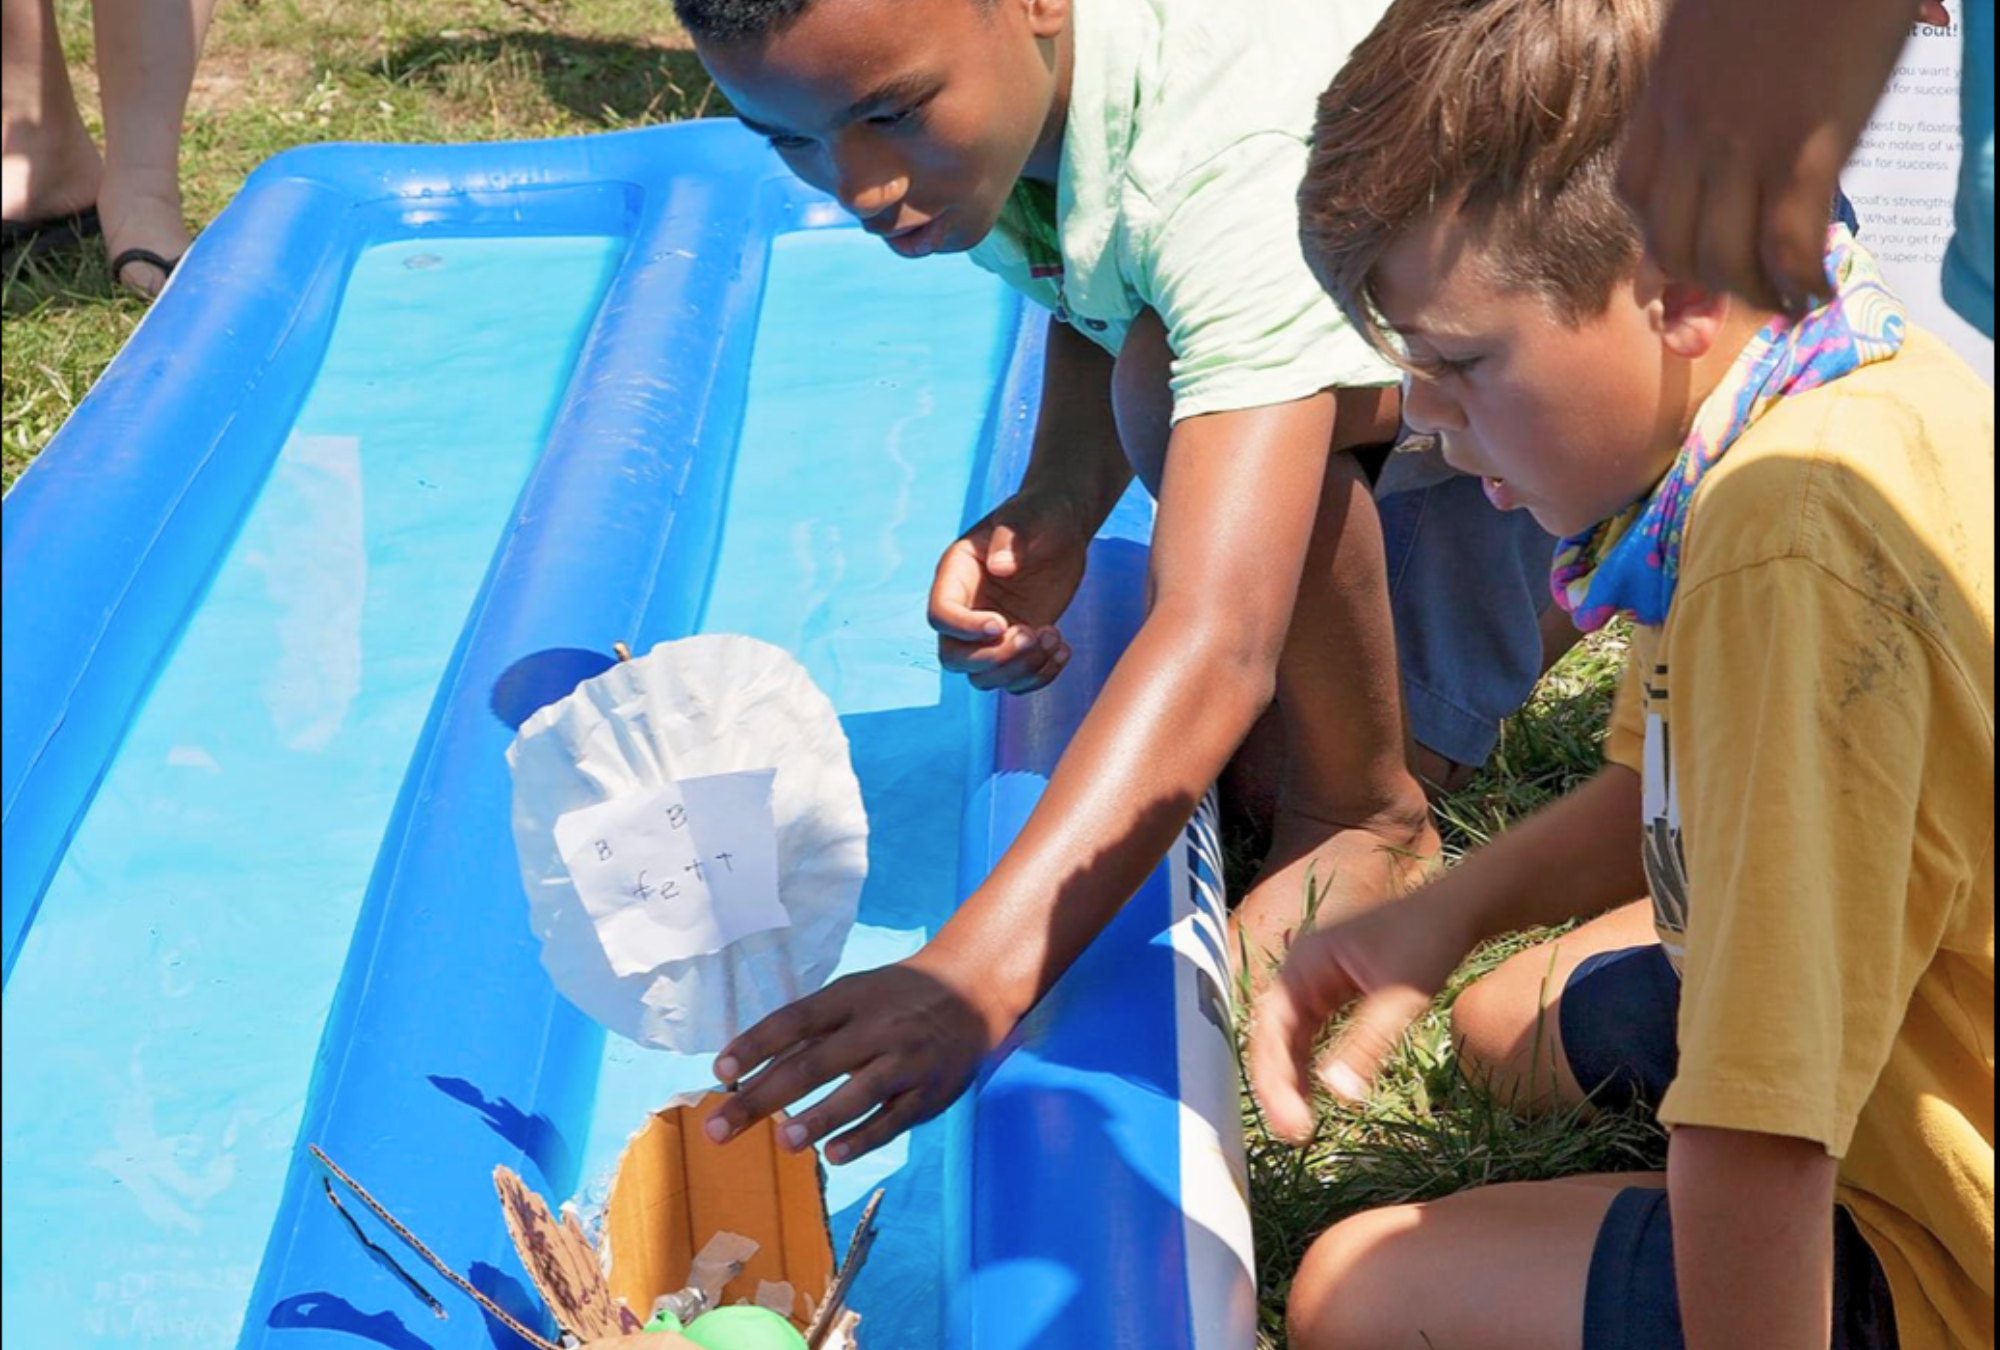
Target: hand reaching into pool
{"x":908,"y":1039}
{"x":1002,"y":589}
{"x":1752,"y":112}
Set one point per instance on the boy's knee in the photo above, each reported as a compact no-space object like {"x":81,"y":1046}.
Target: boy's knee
{"x":1481,"y":1028}
{"x":1498,"y":1022}
{"x":1349,"y":1294}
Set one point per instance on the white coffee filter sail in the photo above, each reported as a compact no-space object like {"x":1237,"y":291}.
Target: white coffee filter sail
{"x":691,"y":710}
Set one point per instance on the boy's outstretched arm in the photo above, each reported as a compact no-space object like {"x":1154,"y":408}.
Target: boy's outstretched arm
{"x":1237,"y":513}
{"x":1753,"y":1239}
{"x":1575,"y":860}
{"x":1751,"y":113}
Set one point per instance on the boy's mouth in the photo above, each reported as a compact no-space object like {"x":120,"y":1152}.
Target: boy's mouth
{"x":1498,"y":490}
{"x":919,"y":241}
{"x":1500,"y":493}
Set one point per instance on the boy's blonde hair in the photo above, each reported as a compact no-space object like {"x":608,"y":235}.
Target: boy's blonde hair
{"x":1508,"y":112}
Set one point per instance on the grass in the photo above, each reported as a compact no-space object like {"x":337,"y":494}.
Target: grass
{"x":1431,"y":1131}
{"x":283,"y":73}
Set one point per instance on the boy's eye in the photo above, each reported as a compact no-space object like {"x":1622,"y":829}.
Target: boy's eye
{"x":1431,"y":366}
{"x":901,"y":118}
{"x":786,"y":143}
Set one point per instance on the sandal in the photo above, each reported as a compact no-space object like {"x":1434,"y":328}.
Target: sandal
{"x":148,"y":258}
{"x":24,"y":239}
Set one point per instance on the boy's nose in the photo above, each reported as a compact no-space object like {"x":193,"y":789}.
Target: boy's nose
{"x":867,"y":186}
{"x":866,"y":201}
{"x":1427,"y":410}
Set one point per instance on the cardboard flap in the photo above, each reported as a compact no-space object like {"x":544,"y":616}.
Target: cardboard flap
{"x":675,"y":1190}
{"x":561,"y":1262}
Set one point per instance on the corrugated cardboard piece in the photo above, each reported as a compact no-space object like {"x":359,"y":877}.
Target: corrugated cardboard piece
{"x":676,"y":1190}
{"x":679,"y":1203}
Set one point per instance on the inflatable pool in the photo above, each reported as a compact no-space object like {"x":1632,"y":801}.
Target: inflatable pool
{"x":403,"y":417}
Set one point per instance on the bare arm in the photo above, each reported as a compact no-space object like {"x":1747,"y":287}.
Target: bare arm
{"x":1753,"y":1240}
{"x":1236,"y":516}
{"x":1575,"y":860}
{"x":1077,"y":448}
{"x":1237,"y":513}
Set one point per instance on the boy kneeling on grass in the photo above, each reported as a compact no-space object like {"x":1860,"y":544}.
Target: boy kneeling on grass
{"x":1799,"y":519}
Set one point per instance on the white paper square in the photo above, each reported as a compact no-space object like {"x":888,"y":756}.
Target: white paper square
{"x":679,"y":871}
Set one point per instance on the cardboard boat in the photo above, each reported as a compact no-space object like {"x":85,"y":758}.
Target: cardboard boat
{"x":676,"y":1196}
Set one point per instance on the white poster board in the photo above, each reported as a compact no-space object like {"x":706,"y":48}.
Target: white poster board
{"x":1904,"y":182}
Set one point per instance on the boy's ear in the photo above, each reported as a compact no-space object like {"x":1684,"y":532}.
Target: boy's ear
{"x":1046,"y":18}
{"x":1688,"y":316}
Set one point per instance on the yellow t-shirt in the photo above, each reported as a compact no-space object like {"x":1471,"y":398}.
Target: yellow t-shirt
{"x":1814,"y":723}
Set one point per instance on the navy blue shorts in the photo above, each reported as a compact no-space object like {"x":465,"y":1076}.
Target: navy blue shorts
{"x":1621,"y":1029}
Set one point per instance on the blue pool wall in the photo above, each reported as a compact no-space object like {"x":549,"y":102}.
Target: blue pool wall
{"x":1065,"y":1160}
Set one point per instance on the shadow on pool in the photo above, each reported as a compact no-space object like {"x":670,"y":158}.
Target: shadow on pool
{"x":330,"y":1312}
{"x":535,"y":1135}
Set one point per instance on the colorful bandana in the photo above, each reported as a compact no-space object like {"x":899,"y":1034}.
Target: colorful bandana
{"x":1630,"y":565}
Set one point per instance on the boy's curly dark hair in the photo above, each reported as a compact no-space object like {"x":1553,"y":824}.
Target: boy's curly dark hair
{"x":735,"y":20}
{"x":740,"y":20}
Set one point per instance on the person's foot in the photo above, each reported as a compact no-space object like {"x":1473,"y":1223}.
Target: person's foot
{"x":139,"y":214}
{"x":1440,"y":776}
{"x":1320,"y":871}
{"x":47,"y":171}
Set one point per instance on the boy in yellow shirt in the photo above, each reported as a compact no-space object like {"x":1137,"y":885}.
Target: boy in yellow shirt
{"x":1798,"y":517}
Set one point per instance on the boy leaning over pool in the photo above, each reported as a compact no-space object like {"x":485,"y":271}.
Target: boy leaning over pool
{"x":1134,"y":166}
{"x":1798,"y":517}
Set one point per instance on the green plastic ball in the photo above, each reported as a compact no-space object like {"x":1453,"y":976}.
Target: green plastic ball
{"x":665,"y":1321}
{"x":745,"y":1329}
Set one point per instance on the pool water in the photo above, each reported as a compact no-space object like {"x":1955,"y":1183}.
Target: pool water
{"x":860,"y":462}
{"x":163,"y":1017}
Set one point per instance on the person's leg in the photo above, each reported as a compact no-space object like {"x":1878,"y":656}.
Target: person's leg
{"x":146,"y":54}
{"x":1510,"y":1027}
{"x":1470,"y":588}
{"x":1504,"y":1268}
{"x":1351,"y":817}
{"x":51,"y":166}
{"x":1586,"y":1263}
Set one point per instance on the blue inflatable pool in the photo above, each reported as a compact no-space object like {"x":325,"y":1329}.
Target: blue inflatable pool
{"x":403,"y":417}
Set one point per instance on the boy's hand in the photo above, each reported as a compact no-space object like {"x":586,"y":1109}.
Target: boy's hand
{"x":1001,"y":589}
{"x":1752,"y":112}
{"x":1392,"y":962}
{"x":909,"y":1038}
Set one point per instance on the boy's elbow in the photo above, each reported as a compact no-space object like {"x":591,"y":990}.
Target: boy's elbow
{"x":1239,"y":658}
